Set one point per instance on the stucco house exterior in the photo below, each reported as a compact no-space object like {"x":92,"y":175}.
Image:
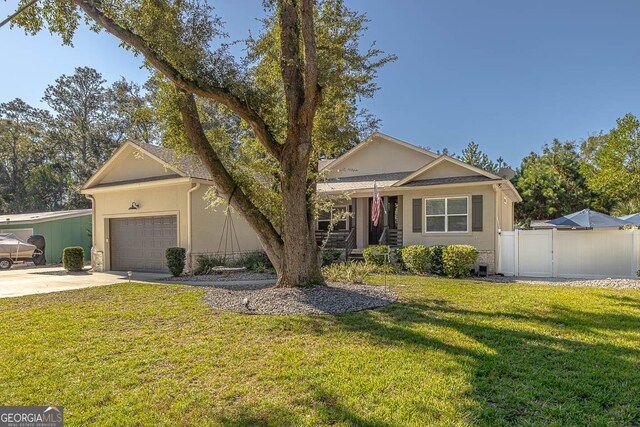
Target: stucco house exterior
{"x":429,"y":199}
{"x":145,"y":198}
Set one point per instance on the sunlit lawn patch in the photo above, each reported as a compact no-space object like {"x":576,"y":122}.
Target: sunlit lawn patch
{"x":449,"y":352}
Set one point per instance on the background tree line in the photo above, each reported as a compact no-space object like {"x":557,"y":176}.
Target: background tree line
{"x":46,"y":155}
{"x":601,"y":172}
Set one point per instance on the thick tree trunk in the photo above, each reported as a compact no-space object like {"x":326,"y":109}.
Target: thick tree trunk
{"x":301,"y":257}
{"x":227,"y":187}
{"x":292,"y":251}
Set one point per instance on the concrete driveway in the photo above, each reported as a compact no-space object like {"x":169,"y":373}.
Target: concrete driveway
{"x":27,"y":281}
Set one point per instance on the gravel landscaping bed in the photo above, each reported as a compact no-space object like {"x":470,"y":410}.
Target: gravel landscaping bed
{"x":241,"y":276}
{"x":591,"y":283}
{"x":334,"y":298}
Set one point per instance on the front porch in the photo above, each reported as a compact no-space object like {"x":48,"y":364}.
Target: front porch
{"x":349,"y":226}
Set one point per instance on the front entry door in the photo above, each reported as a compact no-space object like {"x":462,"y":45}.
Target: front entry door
{"x":375,"y":231}
{"x":391,"y":216}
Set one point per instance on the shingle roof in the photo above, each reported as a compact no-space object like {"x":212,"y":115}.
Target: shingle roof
{"x":36,"y":217}
{"x":138,"y":180}
{"x":188,"y":164}
{"x":448,"y":180}
{"x":362,"y":182}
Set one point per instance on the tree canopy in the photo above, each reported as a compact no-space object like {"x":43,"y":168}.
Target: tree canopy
{"x":291,"y":99}
{"x":46,"y":155}
{"x":473,"y":155}
{"x":612,"y":164}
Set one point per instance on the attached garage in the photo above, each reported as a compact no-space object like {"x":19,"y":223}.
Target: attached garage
{"x":139,"y":243}
{"x":147,"y":198}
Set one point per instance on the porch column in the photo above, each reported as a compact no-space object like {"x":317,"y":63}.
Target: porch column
{"x":385,"y":212}
{"x":354,"y":213}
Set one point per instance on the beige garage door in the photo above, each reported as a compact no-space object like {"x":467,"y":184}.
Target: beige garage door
{"x":139,"y":244}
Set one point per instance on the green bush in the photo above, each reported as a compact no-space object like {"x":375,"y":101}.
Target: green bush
{"x":397,"y":258}
{"x":416,"y":258}
{"x":258,"y":267}
{"x":436,"y":265}
{"x":458,"y":260}
{"x":330,"y":256}
{"x":347,"y":272}
{"x":73,"y":258}
{"x":375,"y":255}
{"x":256,"y":261}
{"x":385,"y":269}
{"x":176,"y":258}
{"x":205,"y":263}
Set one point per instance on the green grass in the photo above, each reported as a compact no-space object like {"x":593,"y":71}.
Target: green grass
{"x":448,"y":353}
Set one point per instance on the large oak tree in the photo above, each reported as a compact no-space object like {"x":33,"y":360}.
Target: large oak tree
{"x":294,"y":95}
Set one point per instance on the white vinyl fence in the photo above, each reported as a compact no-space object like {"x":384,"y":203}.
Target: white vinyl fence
{"x":569,"y":253}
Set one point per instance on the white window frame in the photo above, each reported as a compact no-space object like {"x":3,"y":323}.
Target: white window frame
{"x":446,"y":215}
{"x":330,"y":220}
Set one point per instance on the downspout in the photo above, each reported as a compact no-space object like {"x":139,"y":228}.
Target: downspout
{"x":189,"y":221}
{"x":93,"y":227}
{"x":497,"y":252}
{"x":93,"y":219}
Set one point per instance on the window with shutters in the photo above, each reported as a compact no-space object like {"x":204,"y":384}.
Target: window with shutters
{"x":446,"y":215}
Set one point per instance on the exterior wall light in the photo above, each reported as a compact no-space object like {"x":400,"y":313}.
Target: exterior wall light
{"x":134,"y":206}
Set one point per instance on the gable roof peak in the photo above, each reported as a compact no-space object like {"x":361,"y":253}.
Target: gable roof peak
{"x":445,"y":158}
{"x":184,"y":165}
{"x":377,"y":135}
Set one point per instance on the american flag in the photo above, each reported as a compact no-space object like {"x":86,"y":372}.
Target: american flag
{"x":376,"y":206}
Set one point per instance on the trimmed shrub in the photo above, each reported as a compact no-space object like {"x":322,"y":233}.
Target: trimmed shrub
{"x":73,"y":258}
{"x":435,"y":259}
{"x":397,"y":257}
{"x":458,"y":260}
{"x":347,"y":272}
{"x":376,"y":255}
{"x":176,"y":258}
{"x":330,"y":256}
{"x":416,"y":258}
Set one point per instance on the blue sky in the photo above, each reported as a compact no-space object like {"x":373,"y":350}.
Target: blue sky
{"x":510,"y":75}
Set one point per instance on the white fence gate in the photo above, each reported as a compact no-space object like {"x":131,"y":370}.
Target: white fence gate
{"x":569,"y":253}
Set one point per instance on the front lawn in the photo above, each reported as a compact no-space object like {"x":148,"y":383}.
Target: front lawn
{"x":449,"y":352}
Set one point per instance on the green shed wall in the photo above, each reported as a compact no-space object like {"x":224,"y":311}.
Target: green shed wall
{"x":59,"y":234}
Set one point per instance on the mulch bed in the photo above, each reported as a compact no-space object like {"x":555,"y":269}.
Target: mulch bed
{"x":335,"y":298}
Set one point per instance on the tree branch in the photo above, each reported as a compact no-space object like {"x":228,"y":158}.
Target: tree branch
{"x":219,"y":94}
{"x":312,"y":89}
{"x":290,"y":60}
{"x":268,"y":235}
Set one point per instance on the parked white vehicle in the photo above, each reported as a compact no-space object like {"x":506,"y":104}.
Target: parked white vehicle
{"x":14,"y":250}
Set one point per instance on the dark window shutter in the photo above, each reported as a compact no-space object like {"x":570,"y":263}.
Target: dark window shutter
{"x":476,"y":213}
{"x":417,"y":215}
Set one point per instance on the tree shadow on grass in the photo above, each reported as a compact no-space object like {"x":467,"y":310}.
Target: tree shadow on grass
{"x":326,"y":408}
{"x":527,"y":368}
{"x":624,"y":300}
